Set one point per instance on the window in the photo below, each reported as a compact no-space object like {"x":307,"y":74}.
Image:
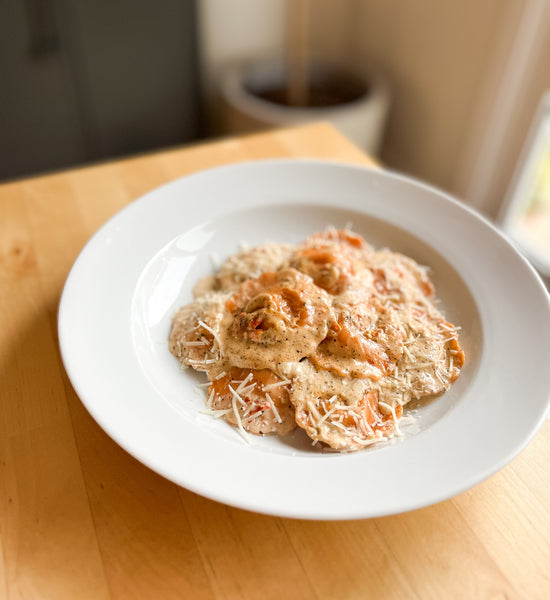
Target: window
{"x":526,"y":213}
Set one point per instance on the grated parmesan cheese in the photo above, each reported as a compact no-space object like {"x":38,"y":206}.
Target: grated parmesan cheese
{"x":391,"y":312}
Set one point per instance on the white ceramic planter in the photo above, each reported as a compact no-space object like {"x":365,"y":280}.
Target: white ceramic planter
{"x":362,"y":119}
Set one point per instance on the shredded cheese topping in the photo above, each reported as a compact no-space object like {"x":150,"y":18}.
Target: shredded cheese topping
{"x":329,"y":335}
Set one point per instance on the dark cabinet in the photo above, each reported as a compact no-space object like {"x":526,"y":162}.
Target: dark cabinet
{"x":87,"y":80}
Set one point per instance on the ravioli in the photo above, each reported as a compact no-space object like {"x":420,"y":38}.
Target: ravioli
{"x":330,"y":335}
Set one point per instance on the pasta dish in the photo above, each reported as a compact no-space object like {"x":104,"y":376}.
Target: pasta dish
{"x":329,"y":335}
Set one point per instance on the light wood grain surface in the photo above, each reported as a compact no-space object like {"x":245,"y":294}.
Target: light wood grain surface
{"x":80,"y":518}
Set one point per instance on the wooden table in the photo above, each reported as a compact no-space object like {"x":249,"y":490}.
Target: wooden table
{"x":80,"y":518}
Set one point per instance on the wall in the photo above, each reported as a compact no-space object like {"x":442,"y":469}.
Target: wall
{"x":449,"y":65}
{"x":436,"y":55}
{"x":505,"y":117}
{"x":465,"y":76}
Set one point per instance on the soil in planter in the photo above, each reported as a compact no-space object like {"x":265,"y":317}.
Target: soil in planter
{"x":321,"y":94}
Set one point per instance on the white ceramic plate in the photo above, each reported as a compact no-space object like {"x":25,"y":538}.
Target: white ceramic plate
{"x":117,"y":305}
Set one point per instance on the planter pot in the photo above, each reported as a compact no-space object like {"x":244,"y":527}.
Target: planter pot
{"x":253,"y":97}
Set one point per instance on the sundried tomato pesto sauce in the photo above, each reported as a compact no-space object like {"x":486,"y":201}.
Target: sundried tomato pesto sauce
{"x":329,"y":335}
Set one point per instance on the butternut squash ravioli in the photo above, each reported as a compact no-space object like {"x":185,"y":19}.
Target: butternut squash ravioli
{"x":329,"y":335}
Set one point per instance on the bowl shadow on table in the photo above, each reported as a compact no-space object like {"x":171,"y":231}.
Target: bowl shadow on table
{"x":109,"y":513}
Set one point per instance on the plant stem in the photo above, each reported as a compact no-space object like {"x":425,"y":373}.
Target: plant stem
{"x":297,"y":56}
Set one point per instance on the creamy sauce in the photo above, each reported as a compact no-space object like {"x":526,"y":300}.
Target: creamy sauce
{"x":278,"y":317}
{"x":329,"y":335}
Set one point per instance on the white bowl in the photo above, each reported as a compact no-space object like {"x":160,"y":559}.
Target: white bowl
{"x":120,"y":296}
